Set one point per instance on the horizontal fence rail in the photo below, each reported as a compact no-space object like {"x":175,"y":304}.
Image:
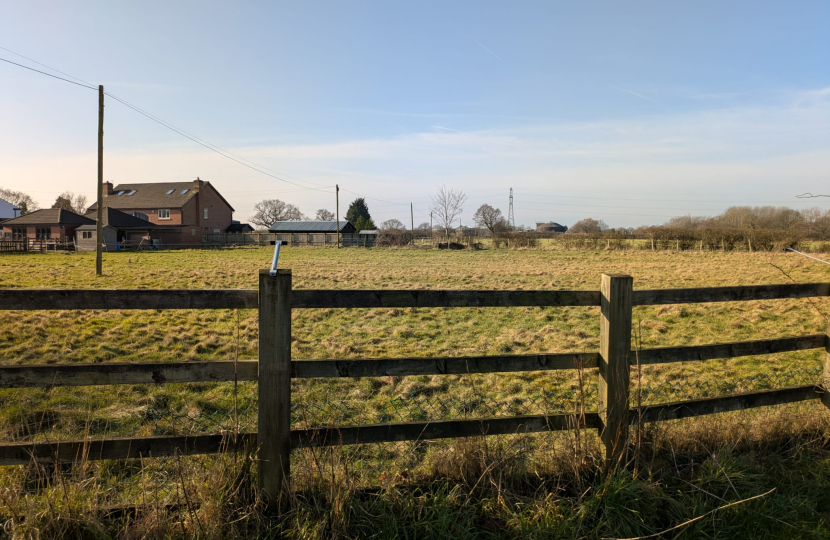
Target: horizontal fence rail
{"x":646,"y":297}
{"x":737,"y":402}
{"x":343,"y":298}
{"x":303,"y":369}
{"x":62,"y":299}
{"x":737,"y":349}
{"x":168,"y":445}
{"x":51,"y":375}
{"x":45,"y":299}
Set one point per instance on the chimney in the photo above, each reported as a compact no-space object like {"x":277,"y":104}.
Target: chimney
{"x":107,"y":188}
{"x":197,"y":184}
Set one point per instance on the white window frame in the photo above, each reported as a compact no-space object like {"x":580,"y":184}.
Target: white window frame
{"x":164,"y":213}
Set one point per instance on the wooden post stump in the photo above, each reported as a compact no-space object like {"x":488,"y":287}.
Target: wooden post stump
{"x":825,"y":397}
{"x":615,"y":349}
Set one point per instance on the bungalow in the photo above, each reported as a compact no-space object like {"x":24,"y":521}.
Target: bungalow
{"x":196,"y":207}
{"x":52,"y":225}
{"x":124,"y":230}
{"x":314,"y":233}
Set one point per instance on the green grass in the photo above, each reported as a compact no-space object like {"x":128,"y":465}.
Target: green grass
{"x":654,"y":499}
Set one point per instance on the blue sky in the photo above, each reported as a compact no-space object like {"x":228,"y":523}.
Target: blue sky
{"x":631,"y":112}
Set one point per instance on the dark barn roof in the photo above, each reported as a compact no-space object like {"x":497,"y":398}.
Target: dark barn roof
{"x":50,"y":216}
{"x":120,"y":220}
{"x":310,"y":227}
{"x":239,"y":228}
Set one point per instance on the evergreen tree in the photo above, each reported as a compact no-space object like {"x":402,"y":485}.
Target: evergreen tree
{"x":358,"y":209}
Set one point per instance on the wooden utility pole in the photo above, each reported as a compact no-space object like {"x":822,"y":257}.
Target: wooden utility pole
{"x":99,"y":229}
{"x":337,"y":209}
{"x":431,"y":243}
{"x":412,"y":223}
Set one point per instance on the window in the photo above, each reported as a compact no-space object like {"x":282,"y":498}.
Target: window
{"x":217,"y":231}
{"x":19,"y":233}
{"x":170,"y":191}
{"x":43,"y":233}
{"x":164,"y":213}
{"x":132,"y":192}
{"x":86,"y":235}
{"x":122,"y":192}
{"x":192,"y":232}
{"x":184,"y":191}
{"x":206,"y":213}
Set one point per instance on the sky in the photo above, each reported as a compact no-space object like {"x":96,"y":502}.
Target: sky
{"x":630,"y":112}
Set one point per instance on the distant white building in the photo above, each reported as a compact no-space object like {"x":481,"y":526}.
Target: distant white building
{"x":8,"y":210}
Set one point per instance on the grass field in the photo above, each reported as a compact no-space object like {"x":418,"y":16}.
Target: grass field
{"x":71,"y":336}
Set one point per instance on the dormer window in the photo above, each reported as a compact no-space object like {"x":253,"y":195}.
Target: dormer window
{"x":132,"y":192}
{"x":122,"y":192}
{"x":170,"y":191}
{"x":184,"y":191}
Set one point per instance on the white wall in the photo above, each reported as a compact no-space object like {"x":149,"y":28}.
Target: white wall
{"x":7,"y":210}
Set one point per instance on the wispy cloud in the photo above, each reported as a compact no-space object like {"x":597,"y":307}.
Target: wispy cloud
{"x":485,"y":48}
{"x":633,"y":93}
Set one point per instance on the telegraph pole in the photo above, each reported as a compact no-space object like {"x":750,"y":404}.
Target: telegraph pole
{"x":412,"y":223}
{"x":337,"y":205}
{"x":431,"y":231}
{"x":99,"y":229}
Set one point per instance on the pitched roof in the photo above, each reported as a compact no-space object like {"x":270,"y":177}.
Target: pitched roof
{"x":239,"y":227}
{"x":120,"y":220}
{"x":153,"y":195}
{"x":307,"y":226}
{"x":50,"y":216}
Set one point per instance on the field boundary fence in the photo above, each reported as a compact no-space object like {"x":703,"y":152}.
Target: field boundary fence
{"x":274,"y":369}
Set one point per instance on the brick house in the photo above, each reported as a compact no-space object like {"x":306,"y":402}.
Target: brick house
{"x":49,"y":225}
{"x":194,"y":206}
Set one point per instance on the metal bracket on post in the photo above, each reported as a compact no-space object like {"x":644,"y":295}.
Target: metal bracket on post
{"x":276,"y":259}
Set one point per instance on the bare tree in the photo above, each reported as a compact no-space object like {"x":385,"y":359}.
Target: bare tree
{"x":447,"y":206}
{"x":271,"y":210}
{"x":72,"y":202}
{"x":588,"y":225}
{"x":490,"y":218}
{"x":324,"y":215}
{"x":392,"y":224}
{"x":24,"y":201}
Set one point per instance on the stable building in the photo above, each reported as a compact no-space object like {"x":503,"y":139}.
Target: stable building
{"x":314,"y":233}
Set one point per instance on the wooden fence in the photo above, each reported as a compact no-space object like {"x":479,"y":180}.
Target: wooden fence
{"x":274,"y":368}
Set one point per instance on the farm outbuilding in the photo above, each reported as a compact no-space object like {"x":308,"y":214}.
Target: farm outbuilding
{"x":314,"y":233}
{"x":550,"y":226}
{"x":122,"y":230}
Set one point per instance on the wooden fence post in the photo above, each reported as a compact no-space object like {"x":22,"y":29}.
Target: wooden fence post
{"x":615,"y":348}
{"x":274,"y":421}
{"x":825,"y":396}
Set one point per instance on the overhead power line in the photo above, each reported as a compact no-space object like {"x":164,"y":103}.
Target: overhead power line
{"x":224,"y":153}
{"x":48,"y":74}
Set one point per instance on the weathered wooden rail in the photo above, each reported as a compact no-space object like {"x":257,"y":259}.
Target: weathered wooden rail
{"x":274,"y":368}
